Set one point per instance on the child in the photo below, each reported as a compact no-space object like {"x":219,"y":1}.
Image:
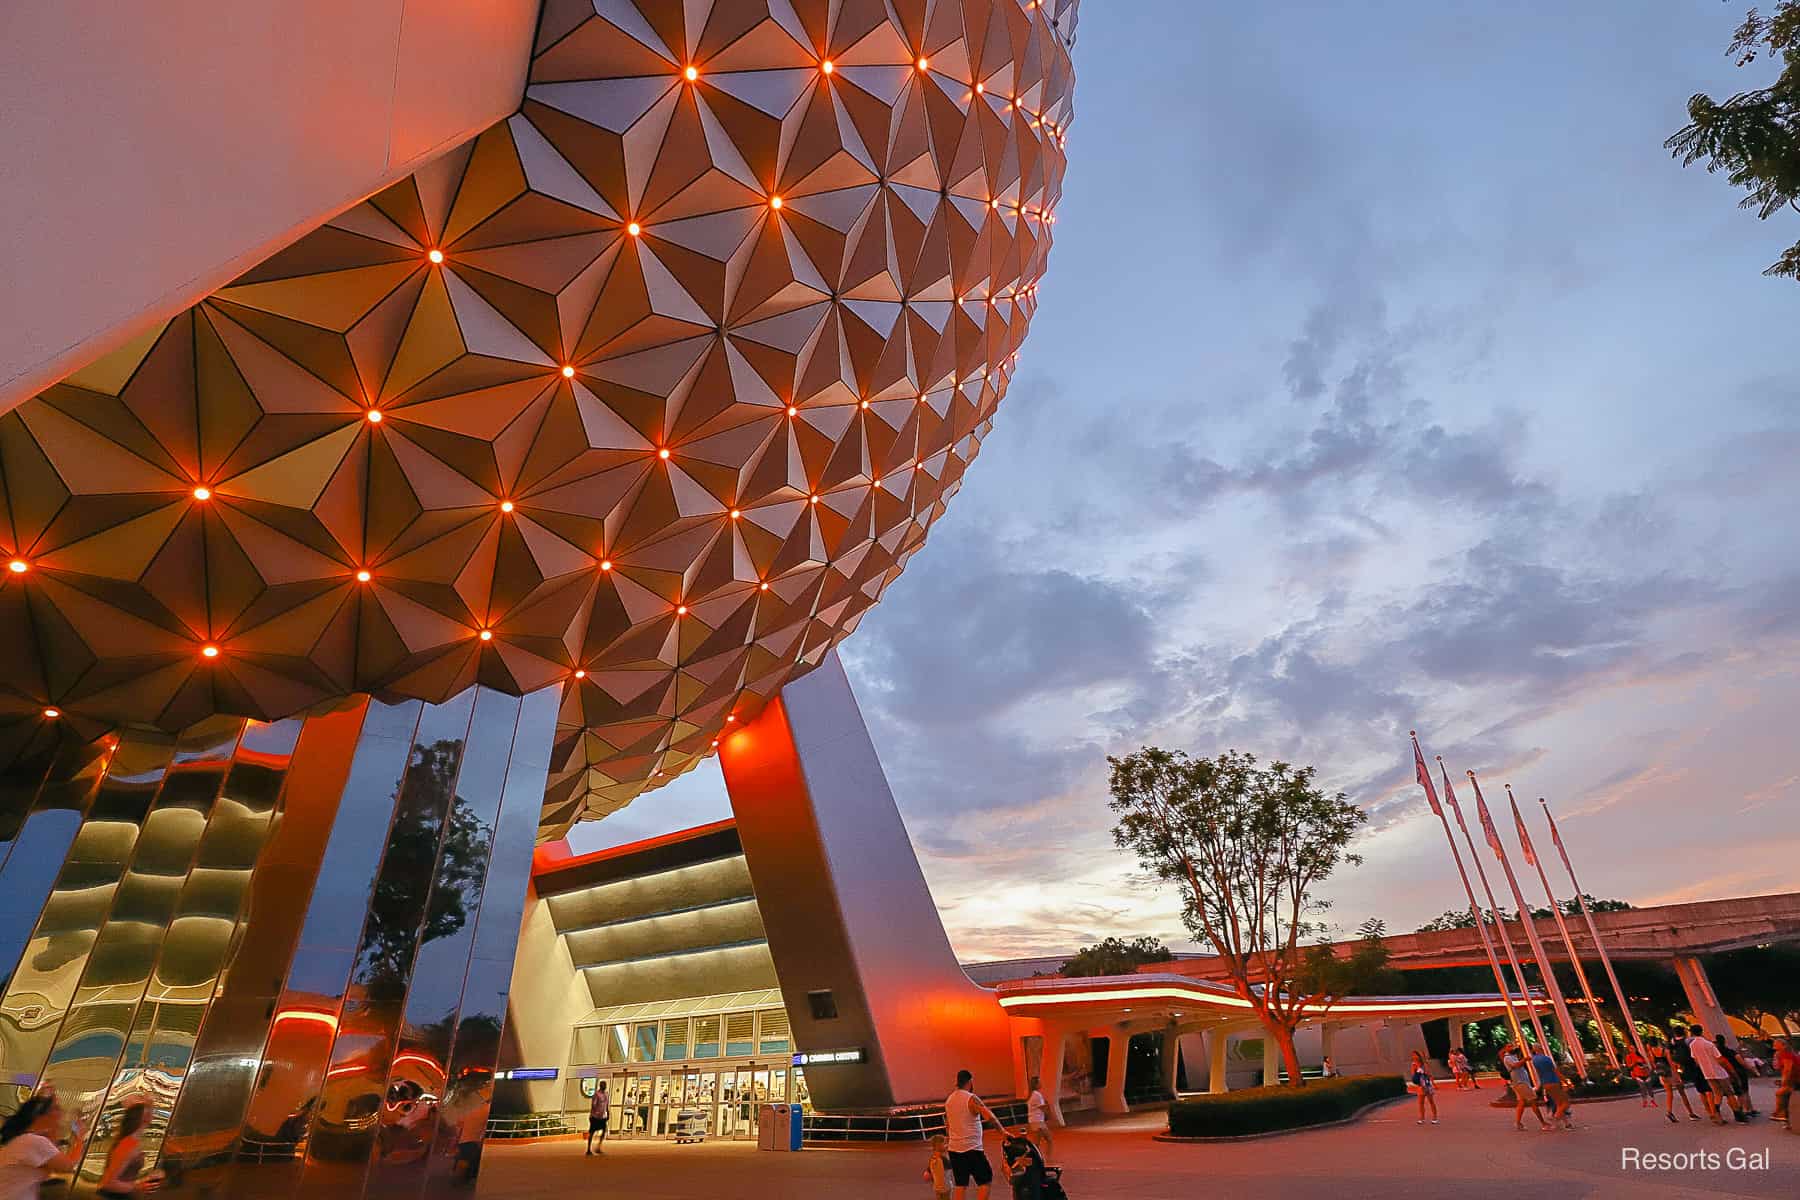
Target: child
{"x":1024,"y":1166}
{"x":937,"y":1170}
{"x":1419,"y":1080}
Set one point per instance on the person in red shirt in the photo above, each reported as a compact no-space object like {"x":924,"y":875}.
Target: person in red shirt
{"x":1787,"y":1074}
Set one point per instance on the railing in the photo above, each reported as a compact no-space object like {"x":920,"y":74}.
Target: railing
{"x":528,"y":1125}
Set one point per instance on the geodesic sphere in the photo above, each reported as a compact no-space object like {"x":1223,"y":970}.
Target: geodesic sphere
{"x":647,"y":392}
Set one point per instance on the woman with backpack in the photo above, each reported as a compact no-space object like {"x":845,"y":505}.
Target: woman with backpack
{"x":1418,"y":1079}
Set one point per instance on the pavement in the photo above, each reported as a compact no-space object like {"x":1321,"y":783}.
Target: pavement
{"x":1473,"y":1154}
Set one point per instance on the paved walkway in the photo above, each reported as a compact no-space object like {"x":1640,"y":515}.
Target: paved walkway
{"x":1473,"y":1155}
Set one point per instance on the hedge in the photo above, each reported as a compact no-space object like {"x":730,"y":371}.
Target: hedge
{"x":1265,"y":1109}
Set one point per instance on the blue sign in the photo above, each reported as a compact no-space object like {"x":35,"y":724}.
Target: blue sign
{"x":528,"y":1074}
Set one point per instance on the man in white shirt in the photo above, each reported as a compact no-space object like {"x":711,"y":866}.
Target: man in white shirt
{"x":963,"y":1112}
{"x":1718,"y":1076}
{"x":1037,"y":1120}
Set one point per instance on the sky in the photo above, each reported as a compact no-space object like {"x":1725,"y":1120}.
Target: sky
{"x":1389,"y":374}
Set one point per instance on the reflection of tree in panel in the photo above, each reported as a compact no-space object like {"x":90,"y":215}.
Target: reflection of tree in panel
{"x":425,"y":850}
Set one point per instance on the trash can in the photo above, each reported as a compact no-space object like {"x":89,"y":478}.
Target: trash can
{"x":765,"y":1129}
{"x":781,"y":1127}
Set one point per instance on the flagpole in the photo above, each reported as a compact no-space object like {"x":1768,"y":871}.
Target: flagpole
{"x":1563,"y":928}
{"x":1594,"y":932}
{"x":1557,"y":1002}
{"x":1512,"y":957}
{"x":1487,"y":943}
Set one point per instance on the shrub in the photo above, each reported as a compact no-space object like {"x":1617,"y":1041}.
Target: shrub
{"x":1265,"y":1109}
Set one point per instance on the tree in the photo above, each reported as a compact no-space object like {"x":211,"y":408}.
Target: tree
{"x":1462,"y":918}
{"x":1115,"y":956}
{"x":1754,"y":137}
{"x":1245,"y":845}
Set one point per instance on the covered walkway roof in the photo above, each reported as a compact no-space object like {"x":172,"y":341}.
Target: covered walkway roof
{"x":1184,"y":998}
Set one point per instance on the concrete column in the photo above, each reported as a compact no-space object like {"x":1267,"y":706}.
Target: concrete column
{"x":1271,"y":1061}
{"x":1171,"y":1055}
{"x":1702,"y":1000}
{"x":1112,"y":1093}
{"x":1217,"y":1040}
{"x":1051,"y":1073}
{"x":1193,"y":1057}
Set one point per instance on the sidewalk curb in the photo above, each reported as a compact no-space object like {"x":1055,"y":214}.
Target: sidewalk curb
{"x":1358,"y":1115}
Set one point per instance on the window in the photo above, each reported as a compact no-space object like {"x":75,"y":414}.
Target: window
{"x":644,"y":1049}
{"x":618,"y":1044}
{"x":706,"y":1037}
{"x":740,"y":1035}
{"x":823,"y":1005}
{"x":675,"y":1040}
{"x":772,"y":1035}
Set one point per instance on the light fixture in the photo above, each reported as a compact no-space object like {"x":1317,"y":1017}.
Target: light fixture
{"x":606,"y":564}
{"x":681,"y":610}
{"x":663,"y":453}
{"x":980,"y":89}
{"x":735,"y":514}
{"x":363,"y":576}
{"x":436,"y":256}
{"x":634,"y":229}
{"x":18,"y":566}
{"x":762,"y":587}
{"x":774,"y":201}
{"x":374,"y":415}
{"x":487,"y":635}
{"x":691,"y":74}
{"x":568,"y":372}
{"x":828,"y":67}
{"x":52,"y":713}
{"x":865,"y":404}
{"x":580,"y":674}
{"x":203,"y":493}
{"x":924,"y":64}
{"x":729,"y":717}
{"x":506,"y":506}
{"x":792,"y":411}
{"x":209,"y":651}
{"x":814,"y":499}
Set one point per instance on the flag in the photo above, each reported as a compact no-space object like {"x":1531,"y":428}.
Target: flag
{"x":1450,"y":795}
{"x":1554,"y":835}
{"x":1524,"y":838}
{"x":1487,"y":825}
{"x":1431,"y":796}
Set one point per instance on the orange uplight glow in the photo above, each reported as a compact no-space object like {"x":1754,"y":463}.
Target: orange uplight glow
{"x":436,"y":256}
{"x":209,"y":651}
{"x":363,"y":577}
{"x":634,"y":229}
{"x":487,"y":635}
{"x":18,"y":566}
{"x":203,"y":493}
{"x":328,"y":1020}
{"x":568,"y":372}
{"x":691,"y":74}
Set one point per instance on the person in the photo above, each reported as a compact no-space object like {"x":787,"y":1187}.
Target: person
{"x":1740,"y":1074}
{"x":1458,"y":1068}
{"x":963,"y":1114}
{"x":1512,"y":1061}
{"x":1639,"y":1070}
{"x":1681,"y":1051}
{"x":1024,"y":1167}
{"x":1666,"y":1069}
{"x":1556,"y":1089}
{"x":1328,"y":1070}
{"x":1037,"y":1119}
{"x":125,"y":1162}
{"x":28,"y":1149}
{"x":1787,"y":1074}
{"x":1418,"y":1077}
{"x":599,"y":1113}
{"x":937,"y":1167}
{"x":1718,"y":1078}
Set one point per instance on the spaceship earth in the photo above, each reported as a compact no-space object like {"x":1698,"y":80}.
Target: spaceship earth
{"x":647,"y":392}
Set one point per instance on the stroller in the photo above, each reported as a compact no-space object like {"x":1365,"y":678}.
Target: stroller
{"x":1033,"y":1179}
